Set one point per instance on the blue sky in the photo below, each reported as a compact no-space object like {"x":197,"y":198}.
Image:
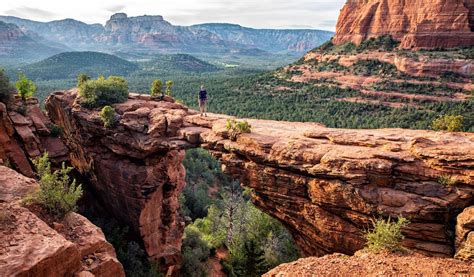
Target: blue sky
{"x":318,"y":14}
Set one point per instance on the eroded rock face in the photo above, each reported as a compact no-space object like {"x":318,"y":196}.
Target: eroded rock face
{"x":25,"y":136}
{"x":416,"y":23}
{"x":465,"y":234}
{"x":29,"y":247}
{"x":135,"y":168}
{"x":325,"y":185}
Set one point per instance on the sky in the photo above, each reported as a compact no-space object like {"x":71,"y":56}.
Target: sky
{"x":316,"y":14}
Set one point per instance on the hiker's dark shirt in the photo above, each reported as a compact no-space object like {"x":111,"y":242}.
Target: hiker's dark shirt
{"x":203,"y":95}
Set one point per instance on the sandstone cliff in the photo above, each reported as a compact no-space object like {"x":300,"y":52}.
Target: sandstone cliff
{"x":324,"y":184}
{"x":25,"y":135}
{"x":30,"y":247}
{"x":416,"y":23}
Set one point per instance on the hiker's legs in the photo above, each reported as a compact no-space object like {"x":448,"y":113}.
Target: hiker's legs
{"x":205,"y":107}
{"x":201,"y":106}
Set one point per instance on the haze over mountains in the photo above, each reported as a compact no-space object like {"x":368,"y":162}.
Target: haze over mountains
{"x":148,"y":35}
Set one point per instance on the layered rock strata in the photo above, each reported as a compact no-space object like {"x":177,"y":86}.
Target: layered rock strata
{"x":25,"y":135}
{"x":325,"y":185}
{"x":416,"y":23}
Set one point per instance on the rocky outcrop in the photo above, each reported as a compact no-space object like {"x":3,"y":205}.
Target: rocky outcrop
{"x":30,"y":247}
{"x":416,"y":23}
{"x":325,"y":185}
{"x":134,"y":168}
{"x":25,"y":135}
{"x":369,"y":264}
{"x":465,"y":234}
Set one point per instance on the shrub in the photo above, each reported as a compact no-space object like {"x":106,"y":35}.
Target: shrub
{"x":195,"y":251}
{"x":385,"y":43}
{"x":6,"y":88}
{"x":55,"y":130}
{"x":156,"y":88}
{"x":450,"y":123}
{"x":169,"y":86}
{"x":57,"y":193}
{"x":373,"y":67}
{"x":386,"y":235}
{"x":447,"y":180}
{"x":26,"y":88}
{"x":236,"y":128}
{"x":107,"y":115}
{"x":82,"y":78}
{"x":100,"y":92}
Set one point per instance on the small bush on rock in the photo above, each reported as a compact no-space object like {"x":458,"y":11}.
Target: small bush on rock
{"x":57,"y":193}
{"x":169,"y":87}
{"x":55,"y":130}
{"x":386,"y":235}
{"x":450,"y":123}
{"x":81,"y":79}
{"x":447,"y":180}
{"x":157,"y":88}
{"x":100,"y":92}
{"x":107,"y":115}
{"x":236,"y":128}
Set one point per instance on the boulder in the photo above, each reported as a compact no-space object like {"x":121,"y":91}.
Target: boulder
{"x":30,"y":247}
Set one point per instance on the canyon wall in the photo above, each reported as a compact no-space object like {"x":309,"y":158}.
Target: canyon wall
{"x":416,"y":23}
{"x":325,"y":185}
{"x":25,"y":134}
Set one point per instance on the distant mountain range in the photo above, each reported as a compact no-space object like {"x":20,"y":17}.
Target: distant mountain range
{"x":150,"y":35}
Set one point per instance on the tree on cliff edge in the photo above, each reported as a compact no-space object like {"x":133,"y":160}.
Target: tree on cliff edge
{"x":26,"y":88}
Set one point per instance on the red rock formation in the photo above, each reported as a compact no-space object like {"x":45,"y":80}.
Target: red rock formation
{"x":135,"y":168}
{"x":25,"y":137}
{"x":324,"y":184}
{"x":367,"y":264}
{"x":465,"y":234}
{"x":416,"y":23}
{"x":29,"y":247}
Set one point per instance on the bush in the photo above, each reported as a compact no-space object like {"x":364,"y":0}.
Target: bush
{"x":82,"y":78}
{"x":195,"y":251}
{"x":386,"y":235}
{"x":100,"y":92}
{"x":385,"y":43}
{"x":107,"y":115}
{"x":6,"y":88}
{"x":373,"y":67}
{"x":26,"y":88}
{"x":156,"y":88}
{"x":55,"y":130}
{"x":450,"y":123}
{"x":57,"y":193}
{"x":236,"y":128}
{"x":169,"y":86}
{"x":447,"y":180}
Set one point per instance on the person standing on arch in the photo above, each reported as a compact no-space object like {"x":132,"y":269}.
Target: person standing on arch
{"x":203,"y":101}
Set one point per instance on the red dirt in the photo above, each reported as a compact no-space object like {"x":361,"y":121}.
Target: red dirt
{"x":214,"y":263}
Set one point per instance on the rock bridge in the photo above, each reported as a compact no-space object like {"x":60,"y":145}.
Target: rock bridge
{"x":325,"y":185}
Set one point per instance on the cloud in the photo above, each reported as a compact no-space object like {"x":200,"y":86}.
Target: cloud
{"x":115,"y":8}
{"x":30,"y":12}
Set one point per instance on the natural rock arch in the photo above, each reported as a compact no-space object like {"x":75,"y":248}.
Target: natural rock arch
{"x":324,"y":185}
